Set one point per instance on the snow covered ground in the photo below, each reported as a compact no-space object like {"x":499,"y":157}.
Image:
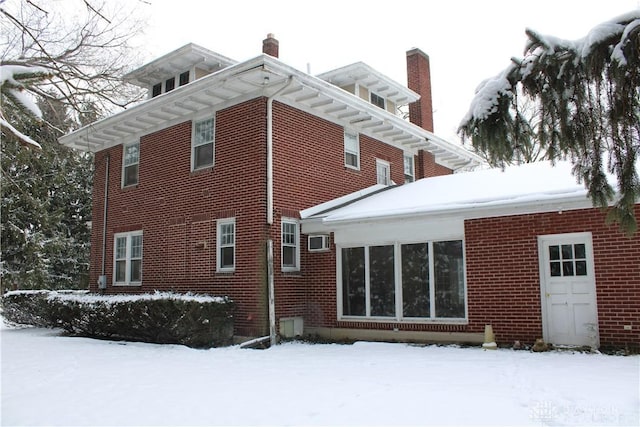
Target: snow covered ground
{"x":48,"y":379}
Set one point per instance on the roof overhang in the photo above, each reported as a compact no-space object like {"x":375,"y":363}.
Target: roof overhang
{"x":264,"y":76}
{"x":361,"y":73}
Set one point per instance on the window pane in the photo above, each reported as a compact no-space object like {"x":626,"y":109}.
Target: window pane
{"x":289,"y":256}
{"x":136,"y":270}
{"x":131,"y":175}
{"x":353,"y":292}
{"x":288,"y":233}
{"x":203,"y":132}
{"x":415,"y":280}
{"x":184,"y":78}
{"x":170,"y":84}
{"x":580,"y":251}
{"x":121,"y":247}
{"x":136,"y":246}
{"x":383,"y":173}
{"x":121,"y":271}
{"x":227,"y":234}
{"x":203,"y":156}
{"x":449,"y":278}
{"x":227,"y":257}
{"x":567,"y":268}
{"x":351,"y":143}
{"x":554,"y":252}
{"x":351,"y":160}
{"x":567,"y":252}
{"x":157,"y":90}
{"x":581,"y":268}
{"x":382,"y":280}
{"x":555,"y":269}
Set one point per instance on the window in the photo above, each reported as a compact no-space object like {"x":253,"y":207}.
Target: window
{"x":156,"y":90}
{"x":351,"y":150}
{"x":318,"y":243}
{"x":409,"y":175}
{"x":383,"y":170}
{"x":226,"y":244}
{"x":130,"y":161}
{"x":203,"y":148}
{"x":378,"y":101}
{"x":128,"y":258}
{"x":184,"y":78}
{"x":568,"y":260}
{"x":429,"y":284}
{"x":170,"y":84}
{"x":290,"y":245}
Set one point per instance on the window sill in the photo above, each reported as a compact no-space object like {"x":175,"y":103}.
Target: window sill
{"x":228,"y":272}
{"x":351,"y":168}
{"x":202,"y":170}
{"x":403,"y":321}
{"x":129,"y":187}
{"x":128,"y":285}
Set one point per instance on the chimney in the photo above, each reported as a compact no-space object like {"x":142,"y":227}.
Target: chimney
{"x":419,"y":81}
{"x":270,"y":45}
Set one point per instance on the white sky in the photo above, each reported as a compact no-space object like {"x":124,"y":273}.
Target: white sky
{"x":467,"y":41}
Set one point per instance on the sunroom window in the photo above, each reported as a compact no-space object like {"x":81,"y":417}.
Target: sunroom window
{"x":403,"y":281}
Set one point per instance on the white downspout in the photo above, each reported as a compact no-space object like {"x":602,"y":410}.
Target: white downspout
{"x":270,"y":150}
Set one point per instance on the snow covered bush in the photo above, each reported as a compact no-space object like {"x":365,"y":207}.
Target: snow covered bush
{"x":163,"y":318}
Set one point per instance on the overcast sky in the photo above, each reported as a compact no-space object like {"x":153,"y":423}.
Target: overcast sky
{"x":467,"y":41}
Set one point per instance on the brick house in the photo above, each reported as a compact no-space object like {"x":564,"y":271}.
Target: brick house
{"x":232,"y":177}
{"x":224,"y":155}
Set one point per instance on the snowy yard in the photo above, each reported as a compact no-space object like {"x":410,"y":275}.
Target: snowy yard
{"x":48,"y":379}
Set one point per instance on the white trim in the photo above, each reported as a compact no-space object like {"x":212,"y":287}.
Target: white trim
{"x":412,"y":164}
{"x":128,"y":258}
{"x":212,"y":142}
{"x":122,"y":171}
{"x":296,"y":245}
{"x":386,"y":167}
{"x":352,"y":133}
{"x":220,"y":245}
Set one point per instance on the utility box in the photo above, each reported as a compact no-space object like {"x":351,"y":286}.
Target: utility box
{"x":102,"y":282}
{"x":291,"y":327}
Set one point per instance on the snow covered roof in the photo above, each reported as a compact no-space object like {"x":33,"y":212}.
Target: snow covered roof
{"x":373,"y":80}
{"x":535,"y":187}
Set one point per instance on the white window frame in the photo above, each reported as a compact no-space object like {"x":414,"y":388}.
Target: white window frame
{"x":194,"y":145}
{"x":399,"y":317}
{"x":125,"y":165}
{"x":384,"y":166}
{"x":220,"y":245}
{"x":348,"y":150}
{"x":409,"y":161}
{"x":295,"y":244}
{"x":127,"y":258}
{"x":384,"y":100}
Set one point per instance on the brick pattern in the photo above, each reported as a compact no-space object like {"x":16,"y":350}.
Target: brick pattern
{"x":419,"y":80}
{"x":426,"y":166}
{"x":503,"y":277}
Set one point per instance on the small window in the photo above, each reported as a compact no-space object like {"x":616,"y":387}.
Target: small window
{"x":226,"y":244}
{"x":383,"y":170}
{"x":378,"y":101}
{"x":351,"y":150}
{"x":130,"y":162}
{"x":290,"y":245}
{"x":318,"y":243}
{"x":568,"y":260}
{"x":184,"y":78}
{"x":409,"y":175}
{"x":128,"y":258}
{"x":156,"y":90}
{"x":170,"y":84}
{"x":203,"y":148}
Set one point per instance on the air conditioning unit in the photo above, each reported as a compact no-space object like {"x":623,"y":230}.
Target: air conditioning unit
{"x":291,"y":327}
{"x":318,"y":242}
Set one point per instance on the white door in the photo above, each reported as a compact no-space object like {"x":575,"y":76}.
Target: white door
{"x":570,"y":315}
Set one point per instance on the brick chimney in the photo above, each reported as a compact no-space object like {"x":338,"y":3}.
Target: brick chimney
{"x":419,"y":81}
{"x":270,"y":45}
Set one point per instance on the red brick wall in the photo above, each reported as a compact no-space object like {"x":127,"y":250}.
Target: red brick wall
{"x":503,"y":278}
{"x":426,"y":166}
{"x":177,"y":211}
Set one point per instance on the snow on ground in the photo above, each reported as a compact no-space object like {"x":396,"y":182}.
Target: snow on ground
{"x":49,"y":379}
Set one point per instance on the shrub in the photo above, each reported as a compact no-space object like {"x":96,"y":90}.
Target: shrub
{"x":164,"y":318}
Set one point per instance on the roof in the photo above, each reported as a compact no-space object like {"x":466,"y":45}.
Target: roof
{"x":377,"y":82}
{"x":176,"y":62}
{"x":529,"y":188}
{"x":265,"y":76}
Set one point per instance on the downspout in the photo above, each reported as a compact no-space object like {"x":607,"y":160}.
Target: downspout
{"x":270,"y":272}
{"x":102,"y":280}
{"x":270,"y":149}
